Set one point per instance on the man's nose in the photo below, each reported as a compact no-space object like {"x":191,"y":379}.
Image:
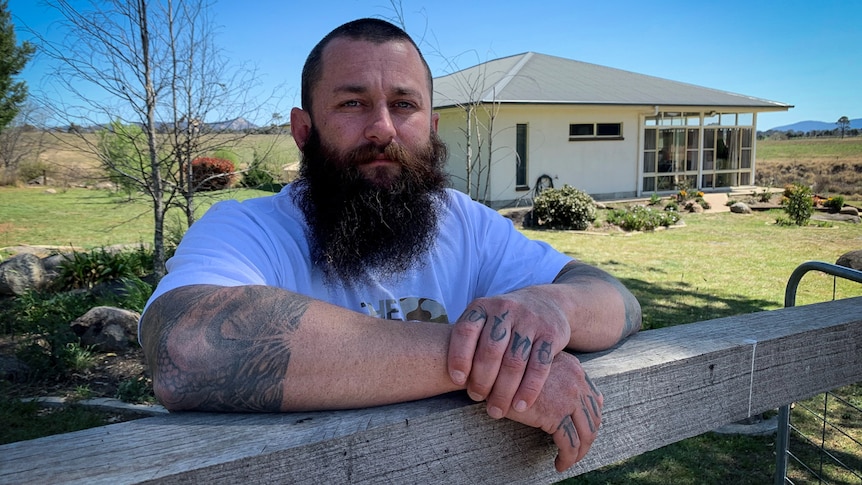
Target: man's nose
{"x":380,"y":127}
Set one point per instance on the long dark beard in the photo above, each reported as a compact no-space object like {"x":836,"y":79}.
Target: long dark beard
{"x":358,"y":228}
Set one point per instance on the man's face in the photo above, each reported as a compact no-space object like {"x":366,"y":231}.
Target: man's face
{"x":371,"y":94}
{"x":372,"y":173}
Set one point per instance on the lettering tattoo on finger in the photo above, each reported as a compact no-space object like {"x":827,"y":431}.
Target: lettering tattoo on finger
{"x":544,"y":353}
{"x":586,"y":410}
{"x":521,"y":345}
{"x":568,"y":427}
{"x":498,"y":331}
{"x":476,"y":315}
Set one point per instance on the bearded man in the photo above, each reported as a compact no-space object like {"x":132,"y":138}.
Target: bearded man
{"x":368,"y":282}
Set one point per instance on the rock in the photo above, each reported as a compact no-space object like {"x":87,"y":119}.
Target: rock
{"x":694,"y":207}
{"x":852,"y":260}
{"x":740,"y":208}
{"x":107,"y":328}
{"x":849,"y":210}
{"x":20,"y":274}
{"x":12,"y":369}
{"x":822,"y":216}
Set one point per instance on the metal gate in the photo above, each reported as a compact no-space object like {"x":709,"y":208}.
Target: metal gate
{"x":800,"y":445}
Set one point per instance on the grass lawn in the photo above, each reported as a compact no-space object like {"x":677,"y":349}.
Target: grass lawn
{"x":717,"y":265}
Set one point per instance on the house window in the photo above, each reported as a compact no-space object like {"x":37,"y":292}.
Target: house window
{"x":677,"y":153}
{"x":521,"y":157}
{"x":595,"y":131}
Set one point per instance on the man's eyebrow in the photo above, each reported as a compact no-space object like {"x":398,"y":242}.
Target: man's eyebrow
{"x":360,"y":89}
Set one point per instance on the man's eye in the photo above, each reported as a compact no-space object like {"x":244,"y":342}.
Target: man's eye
{"x":352,"y":102}
{"x":404,"y":105}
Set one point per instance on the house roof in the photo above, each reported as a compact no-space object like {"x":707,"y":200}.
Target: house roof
{"x":533,"y":78}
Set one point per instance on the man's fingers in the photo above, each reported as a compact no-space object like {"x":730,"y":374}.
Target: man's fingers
{"x":569,"y":443}
{"x":462,"y":344}
{"x":533,"y":380}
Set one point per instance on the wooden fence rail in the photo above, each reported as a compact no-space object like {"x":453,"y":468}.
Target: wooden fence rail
{"x":660,"y":386}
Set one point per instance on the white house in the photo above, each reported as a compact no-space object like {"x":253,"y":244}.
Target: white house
{"x":535,"y":119}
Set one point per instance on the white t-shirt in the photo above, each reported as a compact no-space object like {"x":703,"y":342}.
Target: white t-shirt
{"x":263,"y":242}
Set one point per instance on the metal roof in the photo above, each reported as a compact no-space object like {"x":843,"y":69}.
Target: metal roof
{"x":533,"y":78}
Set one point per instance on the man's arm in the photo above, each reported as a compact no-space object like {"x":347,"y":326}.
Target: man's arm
{"x":502,"y":346}
{"x":258,"y":348}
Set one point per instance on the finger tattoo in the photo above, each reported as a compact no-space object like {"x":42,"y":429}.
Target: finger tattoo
{"x":521,"y":343}
{"x":568,"y":427}
{"x":498,"y":332}
{"x":476,"y":315}
{"x":586,"y":412}
{"x":544,"y":353}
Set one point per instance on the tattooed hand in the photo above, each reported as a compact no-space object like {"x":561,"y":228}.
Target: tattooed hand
{"x":502,"y":349}
{"x":569,"y":409}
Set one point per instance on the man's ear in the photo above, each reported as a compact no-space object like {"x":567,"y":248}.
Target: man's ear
{"x":435,"y":117}
{"x":300,"y":126}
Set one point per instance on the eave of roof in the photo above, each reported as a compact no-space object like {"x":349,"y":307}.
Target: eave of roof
{"x":533,"y":78}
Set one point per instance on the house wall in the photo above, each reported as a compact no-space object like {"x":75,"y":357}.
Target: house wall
{"x":603,"y":168}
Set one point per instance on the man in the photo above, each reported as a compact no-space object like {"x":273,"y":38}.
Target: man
{"x":337,"y":292}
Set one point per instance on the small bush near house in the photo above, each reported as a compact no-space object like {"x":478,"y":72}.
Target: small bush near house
{"x":640,"y":218}
{"x":798,"y":202}
{"x":212,"y":173}
{"x":564,"y":208}
{"x":834,"y":203}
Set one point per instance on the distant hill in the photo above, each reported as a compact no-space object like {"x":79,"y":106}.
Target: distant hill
{"x":236,"y":124}
{"x":806,"y":126}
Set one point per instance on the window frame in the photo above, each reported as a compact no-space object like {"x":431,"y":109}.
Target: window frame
{"x":594,"y":128}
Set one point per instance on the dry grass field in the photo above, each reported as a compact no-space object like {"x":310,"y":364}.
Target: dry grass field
{"x":829,"y":165}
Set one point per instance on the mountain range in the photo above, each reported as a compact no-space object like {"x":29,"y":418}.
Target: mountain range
{"x":805,"y":126}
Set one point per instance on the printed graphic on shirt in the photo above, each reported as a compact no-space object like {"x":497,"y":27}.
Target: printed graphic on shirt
{"x":408,"y":308}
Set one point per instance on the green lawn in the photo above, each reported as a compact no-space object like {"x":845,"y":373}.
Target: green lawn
{"x":717,"y":265}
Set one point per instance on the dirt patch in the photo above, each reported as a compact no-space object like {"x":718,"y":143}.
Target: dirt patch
{"x":104,"y":379}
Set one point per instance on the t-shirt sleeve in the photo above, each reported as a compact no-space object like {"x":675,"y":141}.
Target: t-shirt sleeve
{"x":225,"y":247}
{"x":509,"y":260}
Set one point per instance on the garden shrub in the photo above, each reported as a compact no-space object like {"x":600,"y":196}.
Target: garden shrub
{"x":564,"y":208}
{"x":211,"y":173}
{"x":257,"y":174}
{"x":798,"y":202}
{"x":640,"y":218}
{"x":87,"y":269}
{"x":834,"y":203}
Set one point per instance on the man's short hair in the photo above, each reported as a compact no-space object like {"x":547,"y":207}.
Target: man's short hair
{"x":367,"y":29}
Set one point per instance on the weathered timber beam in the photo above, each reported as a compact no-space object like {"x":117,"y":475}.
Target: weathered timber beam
{"x":660,"y":386}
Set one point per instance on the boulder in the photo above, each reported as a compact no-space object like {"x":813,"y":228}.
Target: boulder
{"x":740,"y":208}
{"x":108,"y":329}
{"x":20,"y":274}
{"x":849,"y":210}
{"x":852,"y":260}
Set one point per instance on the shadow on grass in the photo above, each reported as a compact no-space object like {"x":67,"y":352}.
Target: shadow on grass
{"x":707,"y":459}
{"x":679,"y":302}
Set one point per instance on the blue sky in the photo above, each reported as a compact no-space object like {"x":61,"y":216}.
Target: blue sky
{"x":804,"y":53}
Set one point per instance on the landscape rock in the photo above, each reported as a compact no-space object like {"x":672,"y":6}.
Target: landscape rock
{"x":107,"y":328}
{"x":849,"y":210}
{"x":740,"y":208}
{"x":852,"y":260}
{"x":20,"y":274}
{"x":822,"y":216}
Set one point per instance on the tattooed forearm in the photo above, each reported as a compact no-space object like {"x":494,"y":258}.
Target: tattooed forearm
{"x":229,"y":351}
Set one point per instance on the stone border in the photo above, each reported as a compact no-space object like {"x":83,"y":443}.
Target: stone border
{"x":101,"y":403}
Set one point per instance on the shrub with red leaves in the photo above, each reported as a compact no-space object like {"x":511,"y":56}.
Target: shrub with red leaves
{"x":212,"y":173}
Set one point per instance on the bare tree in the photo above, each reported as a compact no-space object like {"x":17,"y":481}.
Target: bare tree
{"x":479,"y":114}
{"x":154,"y":65}
{"x":21,"y":140}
